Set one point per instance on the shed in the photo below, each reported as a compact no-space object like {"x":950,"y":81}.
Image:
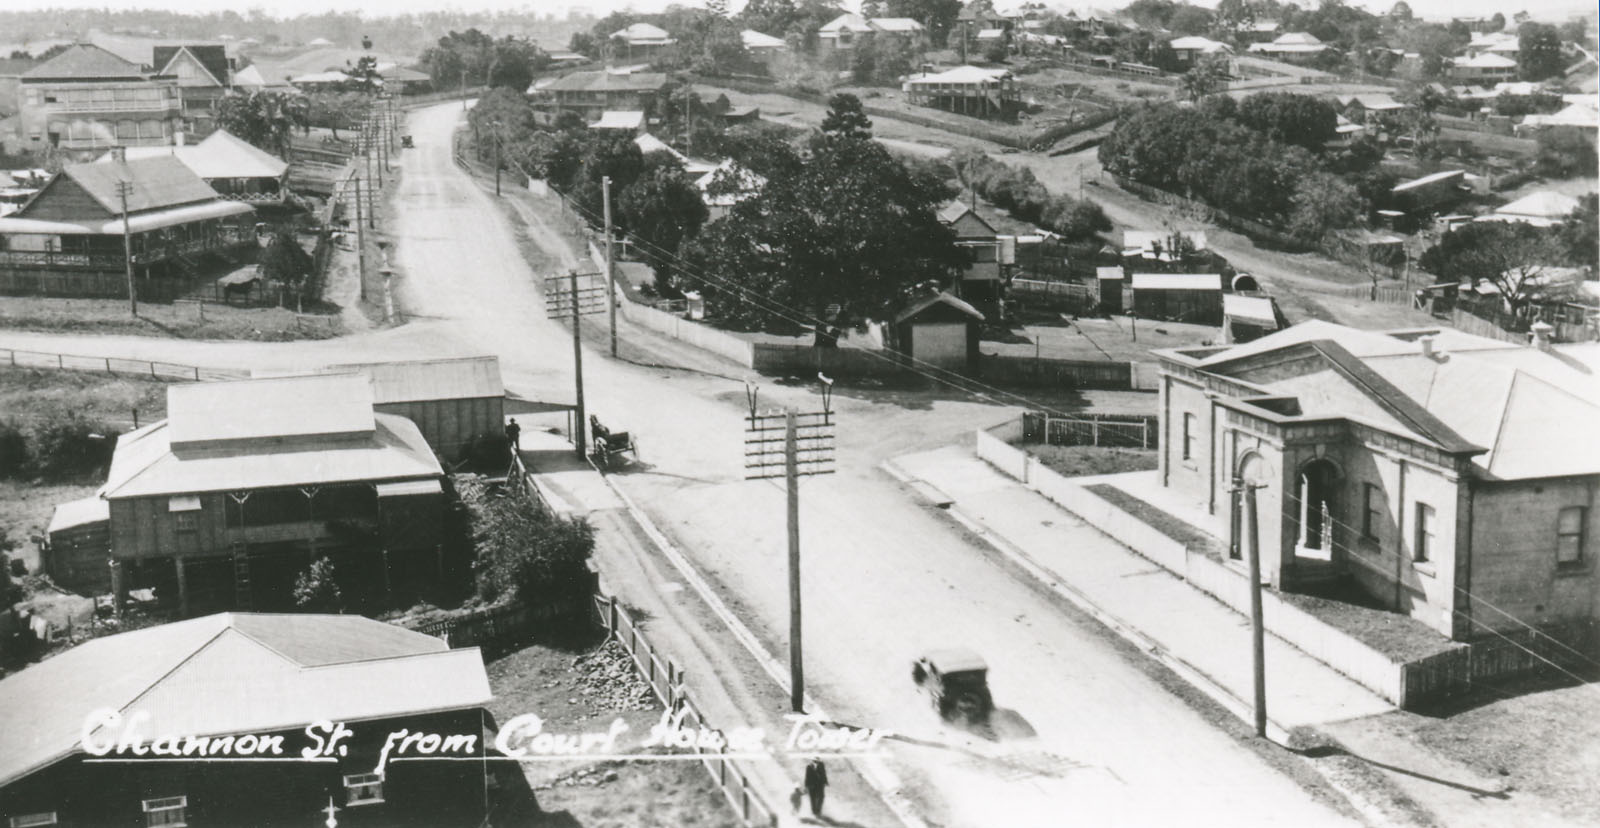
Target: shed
{"x":940,"y":330}
{"x":1180,"y":297}
{"x":80,"y":546}
{"x":452,"y":401}
{"x":1108,"y":282}
{"x":1246,"y":318}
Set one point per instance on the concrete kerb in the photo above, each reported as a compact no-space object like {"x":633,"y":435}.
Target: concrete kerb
{"x":1195,"y":677}
{"x":883,"y":780}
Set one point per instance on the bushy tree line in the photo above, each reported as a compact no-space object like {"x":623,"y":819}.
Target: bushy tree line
{"x":58,"y":445}
{"x":1017,"y":191}
{"x":472,"y":58}
{"x":1258,"y":160}
{"x":1513,"y":256}
{"x":524,"y":551}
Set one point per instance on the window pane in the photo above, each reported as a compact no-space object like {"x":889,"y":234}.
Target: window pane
{"x":1570,"y":521}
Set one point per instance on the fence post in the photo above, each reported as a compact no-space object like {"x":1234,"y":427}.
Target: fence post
{"x":1094,"y":432}
{"x":60,"y":365}
{"x":1144,"y":433}
{"x":196,"y":373}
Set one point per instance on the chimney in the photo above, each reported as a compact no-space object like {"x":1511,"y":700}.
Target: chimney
{"x":1541,"y":334}
{"x":119,"y":154}
{"x":1427,"y":345}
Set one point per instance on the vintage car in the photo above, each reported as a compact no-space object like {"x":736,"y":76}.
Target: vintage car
{"x":958,"y":681}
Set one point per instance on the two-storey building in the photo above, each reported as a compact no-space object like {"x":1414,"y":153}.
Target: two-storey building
{"x":204,"y":74}
{"x":86,"y":100}
{"x":592,"y":94}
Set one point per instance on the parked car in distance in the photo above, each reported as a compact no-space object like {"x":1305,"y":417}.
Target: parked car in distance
{"x":958,"y":680}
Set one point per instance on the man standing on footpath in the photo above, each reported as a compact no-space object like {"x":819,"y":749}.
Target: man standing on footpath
{"x":513,"y":435}
{"x":816,"y":783}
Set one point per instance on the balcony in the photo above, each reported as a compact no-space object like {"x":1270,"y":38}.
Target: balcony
{"x":113,"y":107}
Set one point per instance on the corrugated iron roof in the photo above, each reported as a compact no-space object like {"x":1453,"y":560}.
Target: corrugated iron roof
{"x":145,"y":465}
{"x":608,"y":82}
{"x":233,"y":673}
{"x":431,"y":379}
{"x":75,"y":513}
{"x":83,"y":61}
{"x":158,"y":183}
{"x":276,"y":408}
{"x":1176,"y":281}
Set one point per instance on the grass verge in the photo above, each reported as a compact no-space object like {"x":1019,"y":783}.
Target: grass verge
{"x":180,"y":321}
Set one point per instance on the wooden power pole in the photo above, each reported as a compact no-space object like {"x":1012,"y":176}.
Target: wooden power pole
{"x":562,"y":300}
{"x":1258,"y":644}
{"x":611,"y":267}
{"x":124,"y":189}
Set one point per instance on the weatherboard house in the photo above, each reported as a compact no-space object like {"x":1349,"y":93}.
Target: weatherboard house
{"x":233,"y":689}
{"x":1445,"y":475}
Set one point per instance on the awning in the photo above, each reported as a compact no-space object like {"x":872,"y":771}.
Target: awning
{"x":178,"y":215}
{"x":409,"y":488}
{"x":16,"y":226}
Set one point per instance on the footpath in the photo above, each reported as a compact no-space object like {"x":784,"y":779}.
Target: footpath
{"x":1387,"y":777}
{"x":720,"y":671}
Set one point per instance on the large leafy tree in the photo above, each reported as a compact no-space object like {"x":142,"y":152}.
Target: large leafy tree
{"x":662,"y":208}
{"x":1205,"y":77}
{"x":846,"y":118}
{"x":1579,"y":235}
{"x":265,"y":119}
{"x":1301,"y":120}
{"x":1539,"y":51}
{"x":460,"y":58}
{"x":513,"y":62}
{"x":1511,"y":256}
{"x":938,"y":15}
{"x":851,"y":227}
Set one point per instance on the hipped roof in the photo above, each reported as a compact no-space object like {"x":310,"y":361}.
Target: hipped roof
{"x":84,"y":61}
{"x":233,"y":673}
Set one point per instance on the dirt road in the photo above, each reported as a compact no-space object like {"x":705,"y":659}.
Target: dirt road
{"x":1083,"y":736}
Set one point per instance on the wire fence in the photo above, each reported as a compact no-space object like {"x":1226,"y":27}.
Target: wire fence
{"x":116,"y":366}
{"x":1101,"y":430}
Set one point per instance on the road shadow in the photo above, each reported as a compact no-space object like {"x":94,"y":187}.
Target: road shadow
{"x":1002,"y":725}
{"x":1487,"y":692}
{"x":1326,"y":751}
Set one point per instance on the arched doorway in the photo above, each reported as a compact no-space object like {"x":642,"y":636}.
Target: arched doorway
{"x":1316,"y":501}
{"x":1251,"y":471}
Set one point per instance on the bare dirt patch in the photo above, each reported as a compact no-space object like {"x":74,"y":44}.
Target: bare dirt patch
{"x":177,"y":321}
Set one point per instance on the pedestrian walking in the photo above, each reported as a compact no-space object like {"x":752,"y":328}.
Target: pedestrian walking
{"x":816,"y":785}
{"x":796,"y":796}
{"x":513,"y":434}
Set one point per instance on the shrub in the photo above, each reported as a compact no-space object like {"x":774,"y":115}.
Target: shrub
{"x":317,"y":590}
{"x":525,"y":552}
{"x":14,"y":456}
{"x":67,"y":445}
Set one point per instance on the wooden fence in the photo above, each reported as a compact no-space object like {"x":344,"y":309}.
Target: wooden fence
{"x":1381,"y":295}
{"x":1055,"y":373}
{"x":666,"y":679}
{"x":1500,"y":656}
{"x":116,"y":366}
{"x":1104,"y":430}
{"x":1068,"y":296}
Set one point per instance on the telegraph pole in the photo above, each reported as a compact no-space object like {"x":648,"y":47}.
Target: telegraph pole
{"x":611,"y":268}
{"x":570,"y":300}
{"x":123,"y":189}
{"x":361,"y":234}
{"x":807,"y":450}
{"x":1258,"y":647}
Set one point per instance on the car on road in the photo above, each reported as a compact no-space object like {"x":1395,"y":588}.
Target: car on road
{"x":958,"y":680}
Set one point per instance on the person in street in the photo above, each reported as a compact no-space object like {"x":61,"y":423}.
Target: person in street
{"x":513,"y":434}
{"x":816,"y":783}
{"x":796,"y":796}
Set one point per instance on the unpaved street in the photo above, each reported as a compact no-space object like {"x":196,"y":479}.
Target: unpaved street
{"x":1083,"y":736}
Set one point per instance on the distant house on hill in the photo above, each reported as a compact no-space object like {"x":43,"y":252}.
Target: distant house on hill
{"x":591,"y":94}
{"x":1484,"y":68}
{"x":643,"y":42}
{"x":843,"y":32}
{"x":967,"y":90}
{"x":1294,"y":47}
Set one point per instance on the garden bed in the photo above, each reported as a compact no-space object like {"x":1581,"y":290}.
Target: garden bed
{"x":1085,"y":461}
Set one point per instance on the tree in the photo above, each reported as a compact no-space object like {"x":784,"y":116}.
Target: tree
{"x":364,"y":75}
{"x":284,"y":261}
{"x":852,"y":227}
{"x":524,"y":552}
{"x":513,"y":63}
{"x":1205,"y":77}
{"x":846,"y":118}
{"x":1301,"y":120}
{"x":1191,"y":20}
{"x":1323,"y":203}
{"x":316,"y":589}
{"x":336,"y":110}
{"x":1539,"y":51}
{"x":264,"y":119}
{"x":662,"y":208}
{"x":584,"y":44}
{"x":1579,"y":235}
{"x":939,"y":16}
{"x":1233,"y":15}
{"x":1564,"y":153}
{"x":1401,"y":12}
{"x":1497,"y":22}
{"x":1511,"y":256}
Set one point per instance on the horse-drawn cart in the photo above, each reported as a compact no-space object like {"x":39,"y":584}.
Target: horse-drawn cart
{"x":607,"y":446}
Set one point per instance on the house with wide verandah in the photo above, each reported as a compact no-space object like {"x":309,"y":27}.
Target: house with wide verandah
{"x":87,"y":99}
{"x":966,"y":90}
{"x":247,"y":482}
{"x":1446,"y":476}
{"x":68,"y":239}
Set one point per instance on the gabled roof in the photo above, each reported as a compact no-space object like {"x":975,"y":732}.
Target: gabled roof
{"x":1545,"y":204}
{"x":648,"y":143}
{"x":1176,"y":281}
{"x":249,"y":78}
{"x":1202,"y":44}
{"x":1487,"y":60}
{"x":461,"y":378}
{"x":321,"y":77}
{"x":619,"y":120}
{"x":845,"y":22}
{"x":746,"y":184}
{"x":940,"y":298}
{"x":401,"y":74}
{"x":894,"y":24}
{"x":319,"y":405}
{"x":962,"y":75}
{"x":233,"y":673}
{"x":211,"y":58}
{"x":1297,"y":39}
{"x":1376,"y":101}
{"x":84,"y":61}
{"x":157,"y":183}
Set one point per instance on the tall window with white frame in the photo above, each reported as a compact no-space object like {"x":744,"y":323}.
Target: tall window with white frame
{"x":1188,"y":436}
{"x":1569,"y":535}
{"x":38,"y":820}
{"x":1372,"y":511}
{"x":1422,"y":547}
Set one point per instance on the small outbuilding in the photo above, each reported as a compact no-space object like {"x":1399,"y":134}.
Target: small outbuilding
{"x":940,"y":330}
{"x":1179,"y":297}
{"x":452,"y":401}
{"x":78,"y":546}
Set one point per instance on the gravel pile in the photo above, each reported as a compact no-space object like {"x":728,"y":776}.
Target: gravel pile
{"x":608,"y":680}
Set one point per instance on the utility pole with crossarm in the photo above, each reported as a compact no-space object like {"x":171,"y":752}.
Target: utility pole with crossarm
{"x":125,"y":189}
{"x":807,"y":449}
